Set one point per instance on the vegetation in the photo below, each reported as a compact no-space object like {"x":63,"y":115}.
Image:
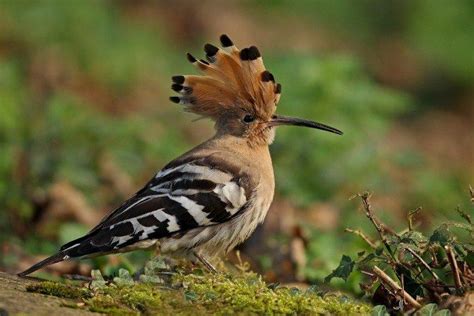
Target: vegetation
{"x":438,"y":268}
{"x":197,"y":293}
{"x":85,"y":121}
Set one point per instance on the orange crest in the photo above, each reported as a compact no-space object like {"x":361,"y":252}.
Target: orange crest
{"x":232,"y":79}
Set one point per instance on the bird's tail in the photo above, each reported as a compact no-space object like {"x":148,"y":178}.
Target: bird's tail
{"x":60,"y":256}
{"x":84,"y":247}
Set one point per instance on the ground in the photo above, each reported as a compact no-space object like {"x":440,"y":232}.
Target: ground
{"x":15,"y":299}
{"x":183,"y":294}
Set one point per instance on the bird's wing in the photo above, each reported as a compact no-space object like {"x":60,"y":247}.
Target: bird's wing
{"x":184,"y":195}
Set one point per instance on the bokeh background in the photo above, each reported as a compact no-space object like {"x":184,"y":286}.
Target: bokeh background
{"x":85,"y":118}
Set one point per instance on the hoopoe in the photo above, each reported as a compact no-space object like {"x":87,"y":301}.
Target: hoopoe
{"x":210,"y":199}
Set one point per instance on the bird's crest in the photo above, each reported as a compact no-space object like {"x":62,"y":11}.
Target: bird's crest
{"x":231,"y":79}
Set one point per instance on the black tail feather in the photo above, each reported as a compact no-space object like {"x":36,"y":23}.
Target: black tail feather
{"x":60,"y":256}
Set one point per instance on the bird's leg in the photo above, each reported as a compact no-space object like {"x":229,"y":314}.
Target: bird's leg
{"x":137,"y":274}
{"x":205,"y":263}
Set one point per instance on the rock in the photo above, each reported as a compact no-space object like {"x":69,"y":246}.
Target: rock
{"x":14,"y":299}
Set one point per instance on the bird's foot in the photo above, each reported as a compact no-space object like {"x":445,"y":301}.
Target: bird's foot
{"x":205,"y":263}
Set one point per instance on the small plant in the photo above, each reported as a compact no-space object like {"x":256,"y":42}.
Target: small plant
{"x":406,"y":270}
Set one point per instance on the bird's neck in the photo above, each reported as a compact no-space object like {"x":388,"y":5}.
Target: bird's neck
{"x":256,"y":157}
{"x":239,"y":144}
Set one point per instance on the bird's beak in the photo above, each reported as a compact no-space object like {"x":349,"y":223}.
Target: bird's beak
{"x":286,"y":120}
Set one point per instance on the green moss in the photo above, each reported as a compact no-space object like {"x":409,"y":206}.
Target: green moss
{"x":202,"y":294}
{"x":107,"y":304}
{"x":142,"y":298}
{"x":59,"y":290}
{"x":247,"y":293}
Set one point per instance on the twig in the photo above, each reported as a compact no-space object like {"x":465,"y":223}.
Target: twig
{"x":387,"y":229}
{"x":394,"y":286}
{"x":454,"y":267}
{"x":363,"y":236}
{"x":368,"y":212}
{"x":242,"y":266}
{"x":435,"y":263}
{"x":471,"y":191}
{"x":410,"y":216}
{"x":423,"y":262}
{"x":469,"y":228}
{"x":464,"y":215}
{"x":403,"y":303}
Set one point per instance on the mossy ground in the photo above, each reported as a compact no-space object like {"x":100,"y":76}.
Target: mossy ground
{"x":200,"y":293}
{"x":59,"y":290}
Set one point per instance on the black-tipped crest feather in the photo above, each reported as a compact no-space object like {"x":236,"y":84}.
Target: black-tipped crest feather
{"x":191,"y":58}
{"x":226,"y":41}
{"x":232,"y":79}
{"x":210,"y":50}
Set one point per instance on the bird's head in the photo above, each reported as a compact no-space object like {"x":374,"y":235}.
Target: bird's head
{"x":237,"y":92}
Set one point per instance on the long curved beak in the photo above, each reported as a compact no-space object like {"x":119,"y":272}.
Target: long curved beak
{"x":286,"y":120}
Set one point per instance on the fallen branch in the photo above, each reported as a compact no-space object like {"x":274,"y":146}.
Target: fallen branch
{"x":454,"y":267}
{"x":384,"y":278}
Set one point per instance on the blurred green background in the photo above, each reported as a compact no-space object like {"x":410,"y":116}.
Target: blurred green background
{"x":85,"y":118}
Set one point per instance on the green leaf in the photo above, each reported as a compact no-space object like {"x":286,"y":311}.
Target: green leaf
{"x":124,"y":278}
{"x":441,"y":235}
{"x":370,"y":259}
{"x":198,"y":271}
{"x":427,"y":310}
{"x":156,"y":265}
{"x":97,"y":275}
{"x":392,"y":239}
{"x":470,"y":258}
{"x":379,"y":310}
{"x":153,"y":279}
{"x":124,"y":274}
{"x":210,"y":295}
{"x":190,"y":295}
{"x":98,"y":281}
{"x":346,"y":265}
{"x":413,"y":237}
{"x":411,"y":285}
{"x":431,"y":310}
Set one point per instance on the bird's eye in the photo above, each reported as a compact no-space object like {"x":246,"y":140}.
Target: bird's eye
{"x":248,"y":118}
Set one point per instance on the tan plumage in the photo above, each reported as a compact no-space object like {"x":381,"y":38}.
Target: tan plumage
{"x":211,"y":198}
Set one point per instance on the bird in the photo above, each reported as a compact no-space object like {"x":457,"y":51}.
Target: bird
{"x":210,"y":199}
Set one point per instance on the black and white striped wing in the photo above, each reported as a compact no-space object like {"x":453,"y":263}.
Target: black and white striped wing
{"x":182,"y":196}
